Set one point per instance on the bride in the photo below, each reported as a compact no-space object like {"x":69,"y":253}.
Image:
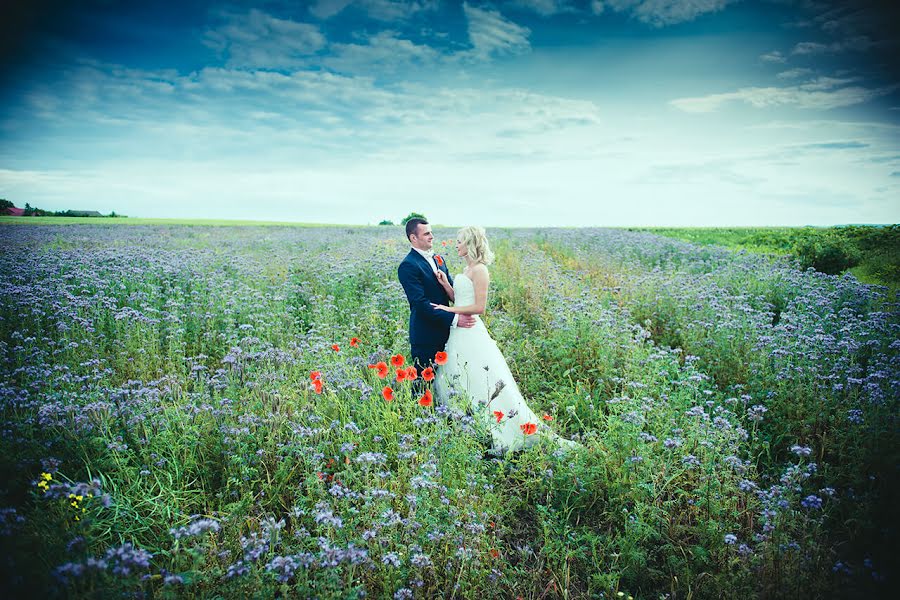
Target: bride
{"x":475,"y":366}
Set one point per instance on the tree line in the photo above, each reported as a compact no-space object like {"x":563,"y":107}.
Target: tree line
{"x":33,"y":211}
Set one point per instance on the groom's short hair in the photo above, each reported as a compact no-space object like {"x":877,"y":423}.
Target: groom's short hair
{"x":412,"y":226}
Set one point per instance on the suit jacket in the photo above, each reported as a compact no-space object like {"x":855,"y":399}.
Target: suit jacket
{"x":428,"y":326}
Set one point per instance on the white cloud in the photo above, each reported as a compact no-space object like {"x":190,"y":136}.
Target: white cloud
{"x":308,"y":115}
{"x":545,"y":8}
{"x":380,"y":10}
{"x":661,"y":13}
{"x":826,"y":83}
{"x":396,"y":10}
{"x":823,"y":93}
{"x":385,"y":52}
{"x":855,"y":44}
{"x":325,"y":9}
{"x":492,"y":34}
{"x":809,"y":48}
{"x":259,"y":40}
{"x":773,"y":57}
{"x":794,"y":73}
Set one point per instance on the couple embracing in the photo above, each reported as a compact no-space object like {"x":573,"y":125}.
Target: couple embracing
{"x":475,"y":368}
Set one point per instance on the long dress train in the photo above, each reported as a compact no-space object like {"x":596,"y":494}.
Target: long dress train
{"x":476,"y":369}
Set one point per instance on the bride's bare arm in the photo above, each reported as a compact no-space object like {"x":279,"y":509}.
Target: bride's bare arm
{"x":481,"y":279}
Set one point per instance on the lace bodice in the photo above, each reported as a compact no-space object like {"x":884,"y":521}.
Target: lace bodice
{"x":464,"y":290}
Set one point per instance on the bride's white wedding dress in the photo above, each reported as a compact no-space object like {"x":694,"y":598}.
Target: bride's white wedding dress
{"x":476,"y":370}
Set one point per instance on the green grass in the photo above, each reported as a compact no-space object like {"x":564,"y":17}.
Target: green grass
{"x":153,"y":221}
{"x":870,"y":252}
{"x":174,"y":365}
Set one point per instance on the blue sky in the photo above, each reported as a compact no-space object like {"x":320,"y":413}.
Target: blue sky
{"x":519,"y":113}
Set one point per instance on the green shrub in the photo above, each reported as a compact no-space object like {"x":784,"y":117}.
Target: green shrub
{"x":827,"y":253}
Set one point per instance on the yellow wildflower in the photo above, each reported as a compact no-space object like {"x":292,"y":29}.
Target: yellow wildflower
{"x":43,"y":484}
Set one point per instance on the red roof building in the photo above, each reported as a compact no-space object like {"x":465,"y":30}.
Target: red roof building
{"x":12,"y":211}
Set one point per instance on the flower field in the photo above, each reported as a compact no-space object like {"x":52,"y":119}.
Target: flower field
{"x":200,"y":411}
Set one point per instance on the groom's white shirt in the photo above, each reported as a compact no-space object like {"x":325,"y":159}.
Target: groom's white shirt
{"x":429,"y":256}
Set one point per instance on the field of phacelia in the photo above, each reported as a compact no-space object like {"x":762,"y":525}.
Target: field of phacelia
{"x":186,"y":413}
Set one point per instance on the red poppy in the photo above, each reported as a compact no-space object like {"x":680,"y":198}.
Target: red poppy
{"x":440,"y":358}
{"x":426,"y":399}
{"x":411,"y":373}
{"x":335,"y":347}
{"x":528,"y":428}
{"x":401,"y":375}
{"x":495,"y":553}
{"x":547,"y":417}
{"x":397,"y":360}
{"x":388,"y":393}
{"x":354,"y":342}
{"x":428,"y":374}
{"x":315,"y":375}
{"x":439,"y":260}
{"x":499,"y":415}
{"x":381,"y":369}
{"x":317,"y":384}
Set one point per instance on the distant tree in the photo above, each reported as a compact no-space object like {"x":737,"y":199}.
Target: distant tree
{"x":4,"y":203}
{"x":113,"y":214}
{"x":386,"y":222}
{"x":413,"y":215}
{"x":34,"y":211}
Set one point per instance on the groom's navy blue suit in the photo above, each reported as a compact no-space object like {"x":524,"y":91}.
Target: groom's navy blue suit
{"x":429,"y":328}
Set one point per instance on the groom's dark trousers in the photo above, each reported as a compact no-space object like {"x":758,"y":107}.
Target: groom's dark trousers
{"x":429,"y":328}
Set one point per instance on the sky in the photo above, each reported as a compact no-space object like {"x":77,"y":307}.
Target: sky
{"x":505,"y":113}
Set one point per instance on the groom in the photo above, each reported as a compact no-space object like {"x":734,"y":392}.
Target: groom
{"x":428,"y":328}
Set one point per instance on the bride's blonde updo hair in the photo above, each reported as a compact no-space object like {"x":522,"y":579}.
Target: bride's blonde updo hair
{"x":476,"y":243}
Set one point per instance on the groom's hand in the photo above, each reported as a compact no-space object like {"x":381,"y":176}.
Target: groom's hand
{"x":465,"y":321}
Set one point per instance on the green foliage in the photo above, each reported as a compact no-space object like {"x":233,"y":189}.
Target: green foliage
{"x":180,"y":378}
{"x":871,"y":252}
{"x":386,"y":222}
{"x":412,"y":215}
{"x":828,"y":253}
{"x":4,"y":203}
